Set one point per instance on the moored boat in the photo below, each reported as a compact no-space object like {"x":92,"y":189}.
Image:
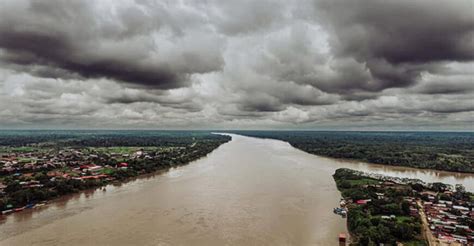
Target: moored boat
{"x":31,"y":205}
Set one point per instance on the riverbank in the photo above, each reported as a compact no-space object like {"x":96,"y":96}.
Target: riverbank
{"x":248,"y":191}
{"x":382,"y":209}
{"x":446,"y":151}
{"x":69,"y":170}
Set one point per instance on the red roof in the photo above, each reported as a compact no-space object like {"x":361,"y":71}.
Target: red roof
{"x":361,"y":201}
{"x":87,"y":166}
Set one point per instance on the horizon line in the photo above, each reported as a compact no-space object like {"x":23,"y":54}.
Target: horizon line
{"x":224,"y":130}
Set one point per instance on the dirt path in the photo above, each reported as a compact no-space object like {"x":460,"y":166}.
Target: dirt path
{"x":425,"y":230}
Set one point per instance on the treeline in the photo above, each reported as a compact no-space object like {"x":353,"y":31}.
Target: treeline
{"x":450,"y":151}
{"x":83,"y":138}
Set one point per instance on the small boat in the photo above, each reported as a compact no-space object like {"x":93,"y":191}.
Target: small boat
{"x":344,"y":214}
{"x":342,"y":238}
{"x":340,"y":211}
{"x":7,"y":211}
{"x":31,"y":205}
{"x":18,"y":209}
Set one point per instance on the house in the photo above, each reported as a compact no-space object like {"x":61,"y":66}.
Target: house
{"x":361,"y":202}
{"x":380,"y":195}
{"x":461,"y":208}
{"x":414,"y":212}
{"x":54,"y":174}
{"x":91,"y":168}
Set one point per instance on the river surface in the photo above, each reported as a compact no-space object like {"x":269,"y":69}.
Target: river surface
{"x":247,"y":192}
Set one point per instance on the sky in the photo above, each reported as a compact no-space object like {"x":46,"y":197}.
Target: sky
{"x":237,"y":64}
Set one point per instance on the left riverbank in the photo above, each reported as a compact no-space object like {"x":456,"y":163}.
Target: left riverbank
{"x":33,"y":174}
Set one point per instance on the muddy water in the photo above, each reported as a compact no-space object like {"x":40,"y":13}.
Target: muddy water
{"x":247,"y":192}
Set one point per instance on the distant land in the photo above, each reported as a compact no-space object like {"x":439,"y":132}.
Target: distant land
{"x":448,"y":151}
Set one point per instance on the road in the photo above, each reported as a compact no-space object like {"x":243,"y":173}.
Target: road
{"x":426,"y":232}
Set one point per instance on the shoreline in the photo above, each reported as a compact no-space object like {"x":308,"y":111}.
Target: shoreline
{"x":357,"y":161}
{"x":353,"y":159}
{"x":115,"y":182}
{"x":381,"y":164}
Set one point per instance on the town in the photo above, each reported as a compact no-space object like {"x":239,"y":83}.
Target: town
{"x":31,"y":175}
{"x":389,"y":210}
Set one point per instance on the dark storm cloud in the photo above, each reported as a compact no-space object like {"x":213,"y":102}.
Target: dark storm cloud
{"x":262,"y":103}
{"x":66,"y":37}
{"x":397,"y":40}
{"x":255,"y":64}
{"x":461,"y":86}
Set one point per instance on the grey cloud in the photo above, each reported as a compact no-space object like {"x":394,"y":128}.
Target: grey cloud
{"x":448,"y":86}
{"x":264,"y":64}
{"x":243,"y":17}
{"x":401,"y":31}
{"x":397,"y":40}
{"x":455,"y":79}
{"x":260,"y":102}
{"x":67,"y":36}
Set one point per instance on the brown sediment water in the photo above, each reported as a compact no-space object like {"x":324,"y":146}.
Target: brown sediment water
{"x":247,"y":192}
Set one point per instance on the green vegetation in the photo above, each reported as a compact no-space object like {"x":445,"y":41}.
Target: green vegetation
{"x":385,"y":219}
{"x":53,"y":163}
{"x":415,"y":243}
{"x":450,"y":151}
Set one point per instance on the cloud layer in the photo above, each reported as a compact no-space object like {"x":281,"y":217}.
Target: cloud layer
{"x":320,"y":64}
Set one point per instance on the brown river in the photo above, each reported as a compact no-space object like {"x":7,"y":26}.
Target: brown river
{"x":247,"y":192}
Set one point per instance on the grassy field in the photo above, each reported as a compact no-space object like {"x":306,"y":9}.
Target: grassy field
{"x":121,"y":149}
{"x":415,"y":243}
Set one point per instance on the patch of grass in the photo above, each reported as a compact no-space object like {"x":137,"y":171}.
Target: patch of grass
{"x":25,"y":160}
{"x":401,"y":219}
{"x":415,"y":243}
{"x":108,"y":171}
{"x":118,"y":149}
{"x":23,"y":149}
{"x":121,"y":149}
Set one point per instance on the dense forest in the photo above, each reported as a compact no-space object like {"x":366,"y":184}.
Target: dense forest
{"x":101,"y":138}
{"x":450,"y":151}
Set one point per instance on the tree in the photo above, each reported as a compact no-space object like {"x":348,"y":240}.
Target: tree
{"x":405,"y":207}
